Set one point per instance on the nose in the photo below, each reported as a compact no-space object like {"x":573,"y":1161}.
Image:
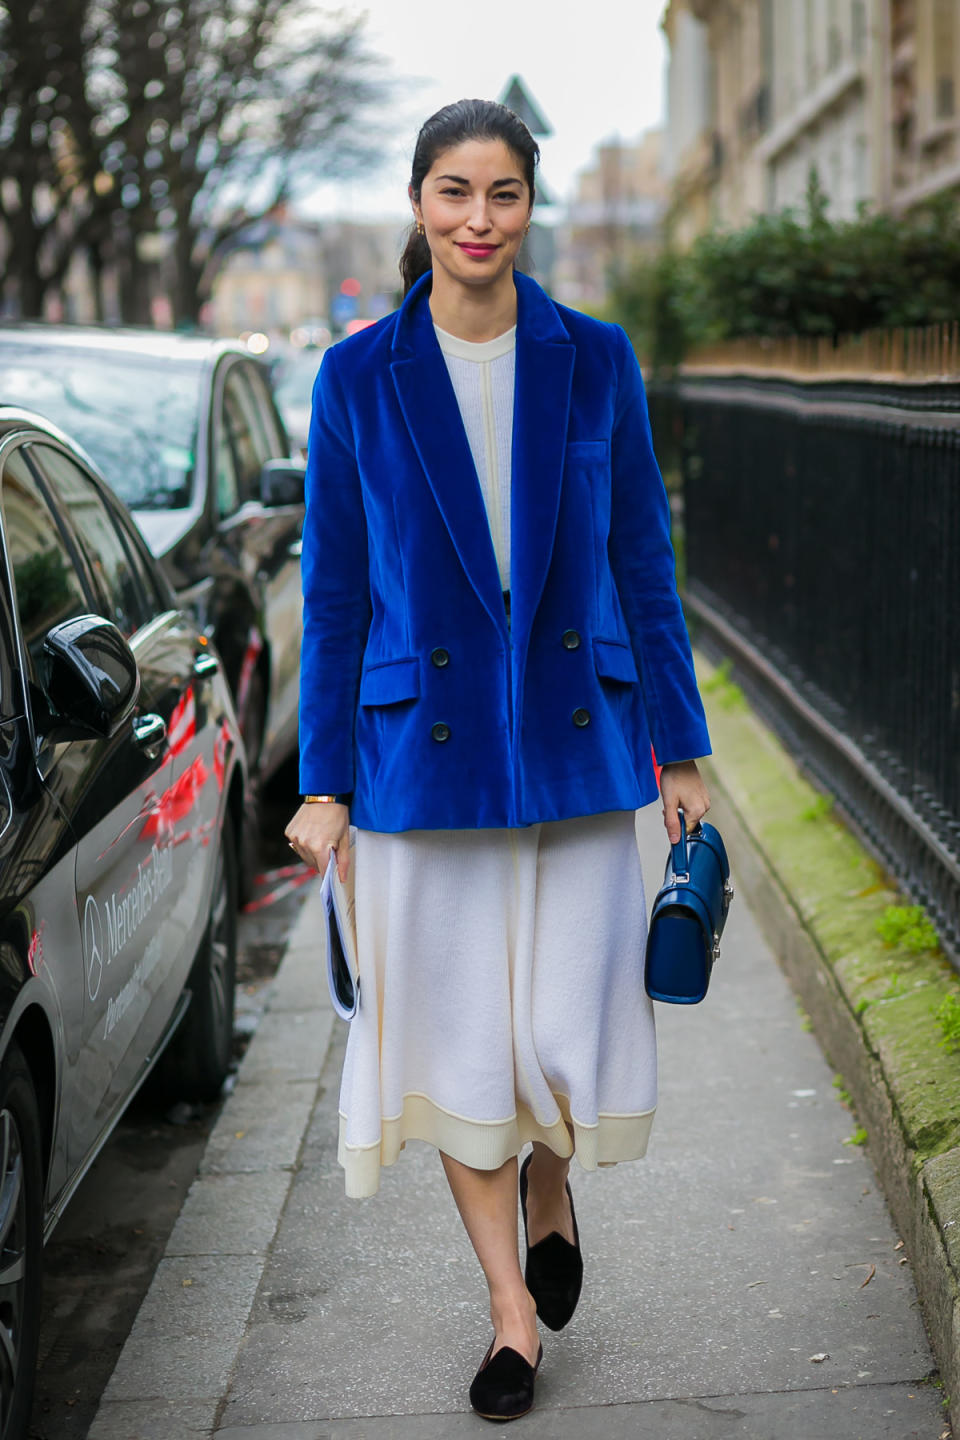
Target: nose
{"x":479,"y":219}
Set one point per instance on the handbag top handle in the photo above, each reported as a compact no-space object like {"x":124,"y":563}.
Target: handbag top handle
{"x":678,"y":852}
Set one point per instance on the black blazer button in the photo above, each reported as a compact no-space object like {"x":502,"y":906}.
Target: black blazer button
{"x":581,"y":717}
{"x":440,"y":732}
{"x":571,"y":639}
{"x":440,"y":657}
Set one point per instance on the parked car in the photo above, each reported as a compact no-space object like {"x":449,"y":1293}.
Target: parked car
{"x":188,"y":434}
{"x":122,"y":776}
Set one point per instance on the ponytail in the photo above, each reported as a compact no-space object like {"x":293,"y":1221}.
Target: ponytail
{"x":415,"y":260}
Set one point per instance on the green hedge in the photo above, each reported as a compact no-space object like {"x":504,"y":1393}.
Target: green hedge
{"x":784,"y":274}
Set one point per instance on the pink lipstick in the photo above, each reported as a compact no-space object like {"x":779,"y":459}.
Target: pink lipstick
{"x":477,"y":252}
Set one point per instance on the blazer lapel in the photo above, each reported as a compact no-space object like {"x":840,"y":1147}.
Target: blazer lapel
{"x":544,"y":377}
{"x":429,"y":405}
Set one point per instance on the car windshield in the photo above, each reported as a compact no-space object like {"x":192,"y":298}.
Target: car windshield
{"x":135,"y":415}
{"x":293,"y":376}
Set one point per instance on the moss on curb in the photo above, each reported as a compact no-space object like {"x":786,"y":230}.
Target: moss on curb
{"x":840,"y":894}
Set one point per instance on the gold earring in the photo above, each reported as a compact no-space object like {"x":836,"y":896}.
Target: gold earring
{"x":527,"y":229}
{"x":420,"y":228}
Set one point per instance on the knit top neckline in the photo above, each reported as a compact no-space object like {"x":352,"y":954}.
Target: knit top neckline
{"x":477,"y":349}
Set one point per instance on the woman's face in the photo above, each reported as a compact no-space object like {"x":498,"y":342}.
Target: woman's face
{"x":475,"y":206}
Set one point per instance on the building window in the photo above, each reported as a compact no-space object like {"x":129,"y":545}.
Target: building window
{"x":858,"y":28}
{"x":809,"y":53}
{"x":834,"y":44}
{"x":944,"y":58}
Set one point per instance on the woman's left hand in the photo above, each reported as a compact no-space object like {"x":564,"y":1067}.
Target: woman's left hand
{"x":682,"y":784}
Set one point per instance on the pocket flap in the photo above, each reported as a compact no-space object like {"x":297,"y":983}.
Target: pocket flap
{"x":614,"y":660}
{"x":390,"y":682}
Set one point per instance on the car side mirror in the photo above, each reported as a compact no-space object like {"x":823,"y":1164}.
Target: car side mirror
{"x":281,"y":483}
{"x":92,"y":677}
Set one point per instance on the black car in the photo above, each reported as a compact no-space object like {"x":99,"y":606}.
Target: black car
{"x":122,"y":776}
{"x":187,"y":433}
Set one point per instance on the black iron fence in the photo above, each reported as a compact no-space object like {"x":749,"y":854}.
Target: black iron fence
{"x":822,"y":539}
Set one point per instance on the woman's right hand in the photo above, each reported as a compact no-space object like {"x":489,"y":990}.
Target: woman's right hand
{"x":317,"y":828}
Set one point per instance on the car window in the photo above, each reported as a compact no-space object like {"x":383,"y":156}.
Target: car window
{"x":136,"y":415}
{"x":45,"y":579}
{"x":245,"y":446}
{"x":109,"y":560}
{"x":273,"y":440}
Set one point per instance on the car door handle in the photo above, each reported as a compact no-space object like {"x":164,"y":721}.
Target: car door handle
{"x":149,"y":733}
{"x":206,"y":664}
{"x":295,"y":550}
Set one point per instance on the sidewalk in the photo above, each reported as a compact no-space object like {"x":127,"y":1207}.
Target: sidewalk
{"x":749,"y":1241}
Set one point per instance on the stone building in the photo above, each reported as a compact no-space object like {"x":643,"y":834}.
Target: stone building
{"x":761,"y":91}
{"x":615,"y":213}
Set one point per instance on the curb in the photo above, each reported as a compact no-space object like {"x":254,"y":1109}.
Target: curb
{"x":175,"y":1366}
{"x":871,"y":1008}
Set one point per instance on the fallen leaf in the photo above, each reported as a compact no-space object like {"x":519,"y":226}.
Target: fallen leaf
{"x":899,"y":1245}
{"x":754,"y":1283}
{"x":819,"y":1359}
{"x":186,"y":1282}
{"x":873,"y":1271}
{"x":903,"y":1260}
{"x":239,"y":1134}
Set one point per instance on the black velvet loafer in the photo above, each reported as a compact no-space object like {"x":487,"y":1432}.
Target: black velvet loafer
{"x":502,"y":1388}
{"x":554,"y":1268}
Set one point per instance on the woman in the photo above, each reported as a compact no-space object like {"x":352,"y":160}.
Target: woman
{"x":492,"y":639}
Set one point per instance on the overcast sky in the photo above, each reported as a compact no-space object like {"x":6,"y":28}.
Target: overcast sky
{"x":594,"y":67}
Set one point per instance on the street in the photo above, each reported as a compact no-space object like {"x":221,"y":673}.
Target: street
{"x":101,"y":1258}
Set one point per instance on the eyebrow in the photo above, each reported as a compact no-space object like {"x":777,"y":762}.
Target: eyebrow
{"x":460,"y":180}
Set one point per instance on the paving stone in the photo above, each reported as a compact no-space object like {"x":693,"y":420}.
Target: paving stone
{"x":261,"y":1128}
{"x":288,"y":1045}
{"x":880,"y":1412}
{"x":230,"y":1214}
{"x":153,"y":1420}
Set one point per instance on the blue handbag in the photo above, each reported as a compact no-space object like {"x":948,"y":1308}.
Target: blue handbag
{"x":689,"y":913}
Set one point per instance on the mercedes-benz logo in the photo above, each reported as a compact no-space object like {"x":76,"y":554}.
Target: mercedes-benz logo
{"x":93,"y":946}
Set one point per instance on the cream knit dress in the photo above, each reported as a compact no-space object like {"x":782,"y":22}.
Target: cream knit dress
{"x":501,"y":979}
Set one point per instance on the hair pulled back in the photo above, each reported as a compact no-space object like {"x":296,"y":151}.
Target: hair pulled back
{"x":463,"y":120}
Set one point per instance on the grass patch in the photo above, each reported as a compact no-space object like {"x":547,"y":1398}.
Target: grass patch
{"x":859,"y":1137}
{"x":947,"y":1015}
{"x":821,"y":806}
{"x":907,"y":927}
{"x":725,"y":691}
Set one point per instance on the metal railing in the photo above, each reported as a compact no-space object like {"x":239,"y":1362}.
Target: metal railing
{"x":822,"y":539}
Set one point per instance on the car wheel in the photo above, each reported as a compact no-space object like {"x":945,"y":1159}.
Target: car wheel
{"x":252,"y":726}
{"x":21,"y":1241}
{"x":198,"y":1059}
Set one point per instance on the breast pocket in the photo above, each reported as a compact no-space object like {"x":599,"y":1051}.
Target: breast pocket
{"x":580,"y":451}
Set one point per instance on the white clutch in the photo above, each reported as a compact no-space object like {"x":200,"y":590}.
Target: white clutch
{"x":339,"y":908}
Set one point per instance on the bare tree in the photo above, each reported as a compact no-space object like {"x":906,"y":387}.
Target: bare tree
{"x":175,"y":118}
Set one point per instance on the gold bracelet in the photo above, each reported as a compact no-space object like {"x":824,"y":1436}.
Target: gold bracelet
{"x":316,"y":799}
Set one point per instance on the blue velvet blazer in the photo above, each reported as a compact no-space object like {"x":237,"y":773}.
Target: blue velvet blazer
{"x":416,"y":693}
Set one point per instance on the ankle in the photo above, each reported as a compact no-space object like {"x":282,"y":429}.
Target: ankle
{"x":547,"y":1182}
{"x":513,"y":1309}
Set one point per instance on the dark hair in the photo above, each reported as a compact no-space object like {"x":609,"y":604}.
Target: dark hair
{"x":464,"y":120}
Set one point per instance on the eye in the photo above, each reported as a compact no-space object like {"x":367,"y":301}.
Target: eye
{"x":507,"y":195}
{"x":452,"y":190}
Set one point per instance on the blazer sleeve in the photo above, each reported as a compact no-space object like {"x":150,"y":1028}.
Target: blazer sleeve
{"x":336,"y":592}
{"x":642,"y":562}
